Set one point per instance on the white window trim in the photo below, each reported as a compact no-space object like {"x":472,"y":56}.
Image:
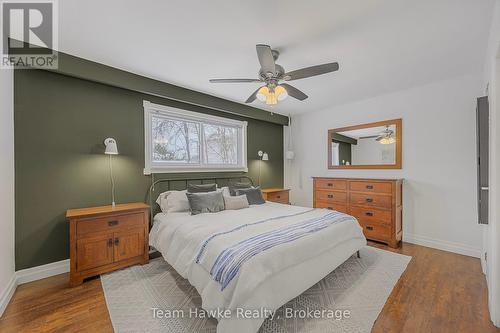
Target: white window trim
{"x":151,"y":109}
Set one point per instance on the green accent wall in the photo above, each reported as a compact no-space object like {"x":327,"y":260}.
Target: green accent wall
{"x":60,"y":124}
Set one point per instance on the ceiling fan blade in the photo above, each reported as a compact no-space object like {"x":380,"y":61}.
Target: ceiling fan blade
{"x":266,"y":58}
{"x":311,"y":71}
{"x":253,"y":96}
{"x":294,"y":92}
{"x":233,"y":80}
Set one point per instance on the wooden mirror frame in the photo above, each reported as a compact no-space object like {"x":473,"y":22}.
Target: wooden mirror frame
{"x":399,"y":135}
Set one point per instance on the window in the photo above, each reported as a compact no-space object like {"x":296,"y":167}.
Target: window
{"x":183,"y":141}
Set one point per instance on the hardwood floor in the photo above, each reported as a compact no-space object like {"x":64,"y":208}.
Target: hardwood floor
{"x":439,"y":292}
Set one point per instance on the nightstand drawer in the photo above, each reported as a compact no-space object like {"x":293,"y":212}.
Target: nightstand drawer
{"x":280,"y":197}
{"x":108,"y":223}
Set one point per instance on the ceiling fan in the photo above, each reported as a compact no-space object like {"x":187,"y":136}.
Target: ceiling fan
{"x":273,"y":75}
{"x":386,"y":137}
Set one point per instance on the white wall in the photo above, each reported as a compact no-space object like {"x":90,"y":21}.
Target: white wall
{"x":491,"y":235}
{"x":439,"y":155}
{"x":6,"y":187}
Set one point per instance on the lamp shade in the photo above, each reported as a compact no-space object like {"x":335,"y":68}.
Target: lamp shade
{"x":111,"y":148}
{"x":265,"y":157}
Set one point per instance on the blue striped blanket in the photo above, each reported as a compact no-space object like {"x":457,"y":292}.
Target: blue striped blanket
{"x":229,"y":260}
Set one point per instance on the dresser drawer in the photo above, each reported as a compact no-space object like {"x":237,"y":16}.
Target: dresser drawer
{"x":376,"y":231}
{"x":372,"y":215}
{"x":330,"y":184}
{"x":371,"y":200}
{"x":331,"y":196}
{"x":368,"y":186}
{"x":332,"y":206}
{"x":279,"y":197}
{"x":108,"y":223}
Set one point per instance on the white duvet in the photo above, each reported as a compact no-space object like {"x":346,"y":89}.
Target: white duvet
{"x":181,"y":236}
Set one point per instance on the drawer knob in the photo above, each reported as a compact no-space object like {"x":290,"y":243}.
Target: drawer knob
{"x":278,"y":196}
{"x":110,"y":242}
{"x":330,"y":196}
{"x":369,"y":227}
{"x":117,"y":241}
{"x":368,"y":213}
{"x":330,"y":184}
{"x":370,"y":187}
{"x":330,"y":208}
{"x":369,"y":200}
{"x":113,"y":223}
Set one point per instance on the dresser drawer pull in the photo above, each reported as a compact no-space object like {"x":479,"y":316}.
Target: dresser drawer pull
{"x":369,"y":200}
{"x":369,"y":227}
{"x":330,"y":196}
{"x":330,"y":208}
{"x":117,"y":241}
{"x":368,"y":213}
{"x":113,"y":223}
{"x":330,"y":184}
{"x":278,"y":196}
{"x":110,"y":242}
{"x":370,"y":187}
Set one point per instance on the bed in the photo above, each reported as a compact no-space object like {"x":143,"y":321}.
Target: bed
{"x":254,"y":259}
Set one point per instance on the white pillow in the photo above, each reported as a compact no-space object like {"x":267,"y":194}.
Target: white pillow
{"x":235,"y":202}
{"x":173,"y":201}
{"x":225,"y":191}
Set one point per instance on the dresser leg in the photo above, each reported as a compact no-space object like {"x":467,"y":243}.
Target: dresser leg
{"x":75,"y":281}
{"x":358,"y":255}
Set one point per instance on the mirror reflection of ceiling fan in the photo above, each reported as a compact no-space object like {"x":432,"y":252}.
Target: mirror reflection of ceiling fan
{"x":386,"y":137}
{"x":273,"y":75}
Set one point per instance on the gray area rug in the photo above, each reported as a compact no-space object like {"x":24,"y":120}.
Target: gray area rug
{"x":360,"y":286}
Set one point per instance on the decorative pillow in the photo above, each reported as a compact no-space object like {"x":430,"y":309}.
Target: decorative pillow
{"x":173,"y":201}
{"x":236,"y":186}
{"x":235,"y":202}
{"x":225,"y":191}
{"x":254,"y":195}
{"x":195,"y":188}
{"x":205,"y":202}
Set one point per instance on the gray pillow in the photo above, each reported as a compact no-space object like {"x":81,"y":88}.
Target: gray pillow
{"x":235,"y":202}
{"x":236,"y":186}
{"x":208,"y":202}
{"x":254,"y":195}
{"x":195,"y":188}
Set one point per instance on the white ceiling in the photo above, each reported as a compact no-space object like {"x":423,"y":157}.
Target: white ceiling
{"x":381,"y":45}
{"x":364,"y":132}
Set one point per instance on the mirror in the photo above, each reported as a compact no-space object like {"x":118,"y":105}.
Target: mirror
{"x":368,"y":146}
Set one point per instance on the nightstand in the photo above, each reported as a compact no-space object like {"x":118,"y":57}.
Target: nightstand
{"x":278,"y":195}
{"x":106,"y":238}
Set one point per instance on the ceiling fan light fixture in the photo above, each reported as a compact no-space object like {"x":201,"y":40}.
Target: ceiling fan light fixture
{"x":271,"y":97}
{"x":387,"y":140}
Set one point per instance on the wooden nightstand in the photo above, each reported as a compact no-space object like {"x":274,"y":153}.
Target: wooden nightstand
{"x":279,"y":195}
{"x":106,"y":238}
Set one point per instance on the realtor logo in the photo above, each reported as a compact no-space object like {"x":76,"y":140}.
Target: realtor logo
{"x":29,"y":34}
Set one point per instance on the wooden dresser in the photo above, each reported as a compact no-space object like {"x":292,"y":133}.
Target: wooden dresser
{"x":279,"y":195}
{"x":106,"y":238}
{"x":376,"y":203}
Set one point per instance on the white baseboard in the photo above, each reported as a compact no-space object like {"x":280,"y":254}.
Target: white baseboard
{"x":442,"y":245}
{"x":42,"y":272}
{"x":6,"y":294}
